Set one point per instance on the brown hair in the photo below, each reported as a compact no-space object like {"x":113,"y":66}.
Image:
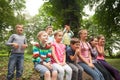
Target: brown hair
{"x":99,"y":36}
{"x":48,"y":27}
{"x":74,"y":40}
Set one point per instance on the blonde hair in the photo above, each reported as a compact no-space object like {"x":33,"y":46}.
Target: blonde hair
{"x":18,"y":26}
{"x":40,"y":33}
{"x":56,"y":32}
{"x":81,"y":31}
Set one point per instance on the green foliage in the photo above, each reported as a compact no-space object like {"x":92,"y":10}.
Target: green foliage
{"x":10,"y":15}
{"x":107,"y":21}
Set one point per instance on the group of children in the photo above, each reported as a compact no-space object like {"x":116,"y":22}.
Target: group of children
{"x":58,"y":56}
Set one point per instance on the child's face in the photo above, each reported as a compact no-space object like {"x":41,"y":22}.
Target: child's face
{"x":49,"y":31}
{"x":75,"y":46}
{"x":19,"y":29}
{"x":94,"y":42}
{"x":102,"y":40}
{"x":84,"y":34}
{"x":43,"y":37}
{"x":59,"y":36}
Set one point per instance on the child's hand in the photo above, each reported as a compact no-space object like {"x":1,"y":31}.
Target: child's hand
{"x":77,"y":51}
{"x":91,"y":65}
{"x":48,"y":65}
{"x":24,"y":46}
{"x":15,"y":45}
{"x":62,"y":64}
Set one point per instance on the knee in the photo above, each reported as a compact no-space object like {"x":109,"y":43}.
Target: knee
{"x":47,"y":74}
{"x":75,"y":70}
{"x":69,"y":71}
{"x":54,"y":73}
{"x":61,"y":71}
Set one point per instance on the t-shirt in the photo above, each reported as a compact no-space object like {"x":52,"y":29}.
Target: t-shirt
{"x":69,"y":52}
{"x":85,"y":51}
{"x":59,"y":52}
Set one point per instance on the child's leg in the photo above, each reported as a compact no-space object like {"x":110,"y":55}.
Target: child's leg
{"x":60,"y":70}
{"x":54,"y":75}
{"x":11,"y":66}
{"x":90,"y":71}
{"x":19,"y":65}
{"x":74,"y":70}
{"x":68,"y":71}
{"x":47,"y":75}
{"x":44,"y":71}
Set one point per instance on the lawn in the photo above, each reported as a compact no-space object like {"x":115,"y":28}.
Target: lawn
{"x":30,"y":73}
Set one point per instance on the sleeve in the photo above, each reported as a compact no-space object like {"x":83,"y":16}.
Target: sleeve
{"x":10,"y":40}
{"x":25,"y":41}
{"x":35,"y":52}
{"x":69,"y":52}
{"x":36,"y":55}
{"x":72,"y":34}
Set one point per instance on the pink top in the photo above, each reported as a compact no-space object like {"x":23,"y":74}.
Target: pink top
{"x":59,"y":52}
{"x":85,"y":51}
{"x":100,"y":56}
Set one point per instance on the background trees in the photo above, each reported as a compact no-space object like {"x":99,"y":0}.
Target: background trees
{"x":106,"y":19}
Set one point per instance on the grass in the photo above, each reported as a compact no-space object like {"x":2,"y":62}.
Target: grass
{"x":114,"y":62}
{"x":29,"y":72}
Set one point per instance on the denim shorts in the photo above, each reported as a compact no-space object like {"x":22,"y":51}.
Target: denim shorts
{"x":41,"y":68}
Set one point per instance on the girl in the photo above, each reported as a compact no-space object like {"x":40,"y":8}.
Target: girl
{"x":41,"y":57}
{"x":100,"y":47}
{"x":59,"y":57}
{"x":93,"y":42}
{"x":85,"y":57}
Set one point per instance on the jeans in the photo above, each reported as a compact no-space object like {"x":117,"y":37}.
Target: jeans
{"x":104,"y":71}
{"x":16,"y":61}
{"x":95,"y":73}
{"x":76,"y":70}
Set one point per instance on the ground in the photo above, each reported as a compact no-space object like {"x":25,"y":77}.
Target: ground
{"x":30,"y":73}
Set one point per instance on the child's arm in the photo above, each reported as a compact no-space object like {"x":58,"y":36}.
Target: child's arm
{"x":10,"y":42}
{"x":64,"y":61}
{"x":53,"y":54}
{"x":25,"y":44}
{"x":100,"y":49}
{"x":74,"y":57}
{"x":72,"y":34}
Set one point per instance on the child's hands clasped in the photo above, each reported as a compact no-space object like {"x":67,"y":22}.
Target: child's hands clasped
{"x":24,"y":46}
{"x":15,"y":45}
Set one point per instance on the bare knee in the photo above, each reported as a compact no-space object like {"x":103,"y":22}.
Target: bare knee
{"x":54,"y":73}
{"x":47,"y":74}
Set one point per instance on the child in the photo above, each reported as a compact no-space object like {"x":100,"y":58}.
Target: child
{"x":67,"y":35}
{"x":59,"y":57}
{"x":18,"y":44}
{"x":85,"y":57}
{"x":93,"y":43}
{"x":41,"y":57}
{"x":71,"y":57}
{"x":49,"y":31}
{"x":100,"y":48}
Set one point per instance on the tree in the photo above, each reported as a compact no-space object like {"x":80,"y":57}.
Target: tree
{"x":8,"y":19}
{"x":107,"y":16}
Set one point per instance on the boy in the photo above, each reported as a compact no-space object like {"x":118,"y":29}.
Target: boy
{"x":71,"y":57}
{"x":49,"y":31}
{"x":18,"y":43}
{"x":67,"y":35}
